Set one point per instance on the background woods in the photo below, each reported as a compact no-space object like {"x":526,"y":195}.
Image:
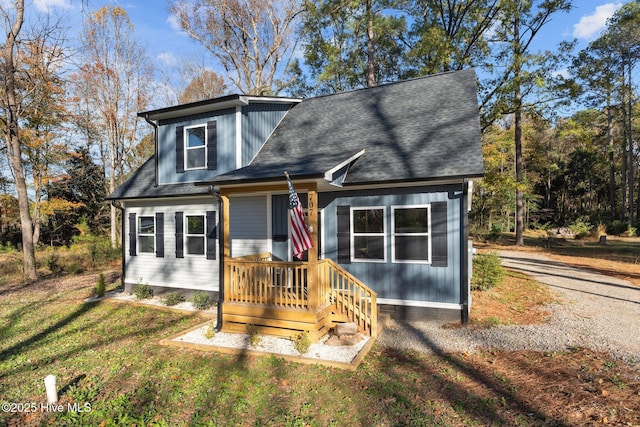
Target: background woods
{"x":560,"y":126}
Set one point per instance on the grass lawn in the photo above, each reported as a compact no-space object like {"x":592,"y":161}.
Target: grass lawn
{"x":108,"y":363}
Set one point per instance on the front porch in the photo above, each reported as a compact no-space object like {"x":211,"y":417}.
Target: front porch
{"x":288,"y":298}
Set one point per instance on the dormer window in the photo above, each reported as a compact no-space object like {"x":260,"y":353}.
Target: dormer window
{"x":196,"y":147}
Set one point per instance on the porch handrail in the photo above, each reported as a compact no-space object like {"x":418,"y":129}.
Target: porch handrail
{"x":351,"y":296}
{"x":252,"y":280}
{"x":255,"y":280}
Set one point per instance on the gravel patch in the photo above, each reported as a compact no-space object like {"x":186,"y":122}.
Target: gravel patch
{"x":268,"y":344}
{"x":594,"y":311}
{"x":280,"y":346}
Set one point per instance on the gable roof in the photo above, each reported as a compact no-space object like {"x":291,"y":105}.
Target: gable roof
{"x":422,"y":129}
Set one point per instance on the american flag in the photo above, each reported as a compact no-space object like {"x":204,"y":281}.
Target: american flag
{"x":300,"y":237}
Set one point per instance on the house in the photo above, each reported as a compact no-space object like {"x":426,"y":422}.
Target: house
{"x":384,"y":174}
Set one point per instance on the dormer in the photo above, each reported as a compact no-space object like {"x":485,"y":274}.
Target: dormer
{"x":197,"y":141}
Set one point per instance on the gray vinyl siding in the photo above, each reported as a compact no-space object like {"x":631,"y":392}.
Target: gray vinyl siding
{"x":226,"y":152}
{"x":190,"y":272}
{"x":248,"y":225}
{"x":258,"y":121}
{"x":401,"y":281}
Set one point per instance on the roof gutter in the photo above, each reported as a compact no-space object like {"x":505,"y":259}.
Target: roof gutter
{"x":155,"y":147}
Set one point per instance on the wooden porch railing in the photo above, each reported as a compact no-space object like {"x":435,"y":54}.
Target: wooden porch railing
{"x":350,"y":296}
{"x":256,"y":280}
{"x":267,"y":283}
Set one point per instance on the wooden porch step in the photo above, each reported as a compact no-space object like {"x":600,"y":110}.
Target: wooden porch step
{"x":283,"y":322}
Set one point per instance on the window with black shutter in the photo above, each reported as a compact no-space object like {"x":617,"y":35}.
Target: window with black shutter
{"x":439,"y":220}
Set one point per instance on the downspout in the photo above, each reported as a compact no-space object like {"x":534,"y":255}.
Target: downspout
{"x":118,"y":205}
{"x":464,"y":252}
{"x":216,"y":194}
{"x":155,"y":147}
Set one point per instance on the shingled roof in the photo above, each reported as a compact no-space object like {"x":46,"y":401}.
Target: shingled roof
{"x":141,"y":185}
{"x":417,"y":130}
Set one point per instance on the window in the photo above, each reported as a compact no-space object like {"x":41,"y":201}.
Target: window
{"x":195,"y":235}
{"x":146,"y":234}
{"x":368,"y":237}
{"x":411,"y":234}
{"x":195,"y":147}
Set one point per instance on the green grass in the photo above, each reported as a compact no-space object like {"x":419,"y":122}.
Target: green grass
{"x":107,"y":358}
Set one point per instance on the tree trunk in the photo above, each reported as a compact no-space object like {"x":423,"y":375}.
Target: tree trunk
{"x":371,"y":58}
{"x":630,"y":139}
{"x":14,"y":151}
{"x":612,"y":168}
{"x":518,"y":136}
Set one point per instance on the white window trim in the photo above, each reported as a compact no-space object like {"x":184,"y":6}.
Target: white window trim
{"x":186,"y":234}
{"x":187,"y":148}
{"x":353,"y":233}
{"x":428,"y":234}
{"x":139,"y":234}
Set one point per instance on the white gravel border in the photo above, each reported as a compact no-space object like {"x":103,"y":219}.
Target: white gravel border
{"x":275,"y":345}
{"x":319,"y":351}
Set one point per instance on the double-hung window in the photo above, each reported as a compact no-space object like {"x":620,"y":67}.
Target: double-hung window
{"x":146,"y":234}
{"x":368,"y":237}
{"x":195,"y":147}
{"x":411,"y":234}
{"x":195,"y":234}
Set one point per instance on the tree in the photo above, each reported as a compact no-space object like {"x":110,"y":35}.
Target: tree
{"x":353,"y":44}
{"x":450,"y":35}
{"x":623,"y":37}
{"x":595,"y":68}
{"x":113,"y":83}
{"x":205,"y":85}
{"x":523,"y":73}
{"x":30,"y":102}
{"x":77,"y":196}
{"x":253,"y":40}
{"x":189,"y":81}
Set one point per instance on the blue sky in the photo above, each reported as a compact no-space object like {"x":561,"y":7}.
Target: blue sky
{"x":167,"y":45}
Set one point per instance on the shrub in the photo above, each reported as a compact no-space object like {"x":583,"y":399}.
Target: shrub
{"x":210,"y":332}
{"x":143,"y":292}
{"x":302,"y":342}
{"x":74,"y":267}
{"x":173,"y":299}
{"x":487,"y":271}
{"x":254,"y":338}
{"x":616,"y":228}
{"x":202,"y":300}
{"x":101,"y":287}
{"x":580,"y":228}
{"x":53,"y":263}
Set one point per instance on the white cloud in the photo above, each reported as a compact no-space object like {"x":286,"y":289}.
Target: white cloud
{"x":591,"y":25}
{"x":172,"y":20}
{"x":46,"y":5}
{"x":564,"y":73}
{"x":168,"y":58}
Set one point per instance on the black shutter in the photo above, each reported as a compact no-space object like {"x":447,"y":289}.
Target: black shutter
{"x":211,"y":234}
{"x":179,"y":235}
{"x":439,"y":249}
{"x":179,"y":149}
{"x":159,"y":234}
{"x":132,"y":234}
{"x":344,"y":234}
{"x":212,"y":146}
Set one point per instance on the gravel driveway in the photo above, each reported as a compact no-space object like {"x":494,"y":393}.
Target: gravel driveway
{"x":593,"y":311}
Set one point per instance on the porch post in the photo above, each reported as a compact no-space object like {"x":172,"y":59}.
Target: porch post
{"x":313,"y":287}
{"x":227,"y":243}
